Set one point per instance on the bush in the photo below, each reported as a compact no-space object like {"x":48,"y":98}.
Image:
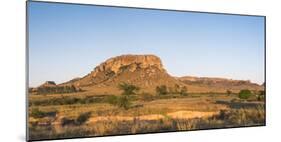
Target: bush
{"x":119,"y":101}
{"x":234,"y":100}
{"x":183,"y":91}
{"x":112,"y":100}
{"x":245,"y":94}
{"x":124,"y":102}
{"x":68,"y":101}
{"x":261,"y":96}
{"x":242,"y":117}
{"x":228,"y":92}
{"x":57,"y":89}
{"x":161,"y":90}
{"x":67,"y":121}
{"x":128,"y":89}
{"x":82,"y":118}
{"x":146,"y":96}
{"x":36,"y":113}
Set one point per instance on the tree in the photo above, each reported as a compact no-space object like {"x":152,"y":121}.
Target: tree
{"x":161,"y":90}
{"x":245,"y":94}
{"x":124,"y":101}
{"x":128,"y":89}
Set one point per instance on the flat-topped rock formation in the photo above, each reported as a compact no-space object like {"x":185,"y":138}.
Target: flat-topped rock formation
{"x":148,"y":72}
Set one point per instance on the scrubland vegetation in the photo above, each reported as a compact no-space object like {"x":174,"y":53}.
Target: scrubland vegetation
{"x":63,"y":116}
{"x":56,"y":89}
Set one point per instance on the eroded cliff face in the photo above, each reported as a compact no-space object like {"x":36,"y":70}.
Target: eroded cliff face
{"x":143,"y":70}
{"x":147,"y":72}
{"x":133,"y":62}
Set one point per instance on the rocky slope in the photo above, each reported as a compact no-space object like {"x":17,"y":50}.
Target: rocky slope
{"x":148,"y":72}
{"x":145,"y":71}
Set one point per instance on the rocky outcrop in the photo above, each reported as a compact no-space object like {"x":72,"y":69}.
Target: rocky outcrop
{"x":50,"y":87}
{"x":117,"y":64}
{"x":139,"y":69}
{"x":48,"y":84}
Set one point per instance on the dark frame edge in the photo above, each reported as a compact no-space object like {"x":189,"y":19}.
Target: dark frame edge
{"x":265,"y":81}
{"x":26,"y":69}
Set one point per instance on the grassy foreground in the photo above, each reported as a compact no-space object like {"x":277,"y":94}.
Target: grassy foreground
{"x":66,"y":116}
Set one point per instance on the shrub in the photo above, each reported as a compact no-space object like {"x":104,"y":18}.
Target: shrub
{"x":146,"y":96}
{"x":261,"y":95}
{"x":244,"y":94}
{"x":112,"y":100}
{"x":222,"y":114}
{"x":183,"y":91}
{"x":67,"y":121}
{"x":161,"y":90}
{"x":234,"y":100}
{"x":82,"y":118}
{"x":67,"y":100}
{"x":57,"y":89}
{"x":124,"y":102}
{"x":119,"y":101}
{"x":36,"y":113}
{"x":70,"y":100}
{"x":228,"y":92}
{"x":242,"y":117}
{"x":128,"y":89}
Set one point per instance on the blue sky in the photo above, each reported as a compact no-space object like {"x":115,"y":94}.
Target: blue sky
{"x":68,"y":41}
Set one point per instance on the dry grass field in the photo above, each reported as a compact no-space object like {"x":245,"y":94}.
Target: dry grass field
{"x":77,"y":115}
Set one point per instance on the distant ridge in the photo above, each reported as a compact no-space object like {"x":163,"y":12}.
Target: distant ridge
{"x":220,"y":83}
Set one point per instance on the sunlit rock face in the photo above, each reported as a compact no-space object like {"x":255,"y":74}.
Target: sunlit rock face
{"x":117,"y":64}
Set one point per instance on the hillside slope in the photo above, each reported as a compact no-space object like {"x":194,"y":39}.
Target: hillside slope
{"x":148,"y":72}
